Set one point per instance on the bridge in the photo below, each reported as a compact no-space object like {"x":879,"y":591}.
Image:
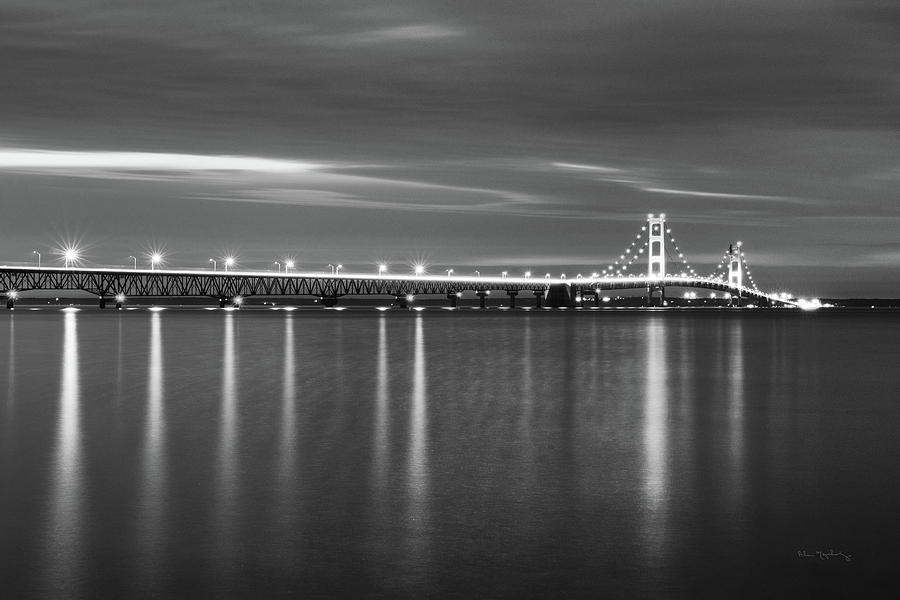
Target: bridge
{"x":654,"y":243}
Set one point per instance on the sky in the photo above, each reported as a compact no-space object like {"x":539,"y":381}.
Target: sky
{"x":495,"y":135}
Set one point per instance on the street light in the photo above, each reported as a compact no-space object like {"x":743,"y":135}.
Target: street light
{"x":420,"y":269}
{"x":155,"y":259}
{"x":229,"y":262}
{"x":134,"y":258}
{"x":70,"y":255}
{"x":288,"y":265}
{"x":503,"y":275}
{"x":332,"y":269}
{"x":278,"y":265}
{"x":213,"y":261}
{"x":527,"y":274}
{"x":449,"y":272}
{"x":382,"y":268}
{"x":477,"y":273}
{"x":337,"y":269}
{"x":39,"y":257}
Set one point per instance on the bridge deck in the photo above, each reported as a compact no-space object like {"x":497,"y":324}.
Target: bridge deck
{"x":108,"y":283}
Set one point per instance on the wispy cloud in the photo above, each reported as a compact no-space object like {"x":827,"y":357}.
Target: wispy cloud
{"x":102,"y":164}
{"x":724,"y":195}
{"x":589,"y":168}
{"x":405,"y":33}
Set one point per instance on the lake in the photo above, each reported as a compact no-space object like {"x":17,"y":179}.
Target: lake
{"x":465,"y":454}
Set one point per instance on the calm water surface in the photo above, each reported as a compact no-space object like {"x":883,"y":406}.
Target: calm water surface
{"x":364,"y":454}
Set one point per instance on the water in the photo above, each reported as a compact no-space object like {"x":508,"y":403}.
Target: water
{"x":364,"y":454}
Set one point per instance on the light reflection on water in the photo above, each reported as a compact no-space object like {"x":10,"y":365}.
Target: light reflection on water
{"x":64,"y":537}
{"x":152,"y":501}
{"x":656,"y":433}
{"x":398,"y":454}
{"x":225,"y":498}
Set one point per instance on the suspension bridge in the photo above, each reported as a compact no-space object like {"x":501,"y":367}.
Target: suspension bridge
{"x":651,"y":262}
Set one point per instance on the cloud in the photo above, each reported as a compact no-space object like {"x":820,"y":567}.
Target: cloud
{"x":724,"y":195}
{"x":404,"y":33}
{"x":121,"y":164}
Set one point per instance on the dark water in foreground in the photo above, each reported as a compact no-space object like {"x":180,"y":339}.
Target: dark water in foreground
{"x":364,"y":454}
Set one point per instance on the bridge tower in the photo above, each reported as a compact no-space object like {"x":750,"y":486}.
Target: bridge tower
{"x":735,"y":271}
{"x":656,"y":257}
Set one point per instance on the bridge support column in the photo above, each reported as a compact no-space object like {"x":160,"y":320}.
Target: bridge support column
{"x":401,"y":301}
{"x":538,"y":296}
{"x":512,"y":298}
{"x":481,"y":298}
{"x":652,"y":289}
{"x":10,"y":302}
{"x":222,"y":302}
{"x":102,"y":301}
{"x":328,"y":301}
{"x":119,"y":304}
{"x":561,"y":295}
{"x":454,"y":299}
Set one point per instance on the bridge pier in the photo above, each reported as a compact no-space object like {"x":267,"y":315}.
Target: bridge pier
{"x":401,"y":301}
{"x":222,"y":302}
{"x":538,"y":296}
{"x":453,"y":298}
{"x":652,"y":289}
{"x":481,"y":299}
{"x":10,"y":302}
{"x":328,"y":301}
{"x":102,"y":302}
{"x":560,"y":295}
{"x":512,"y":298}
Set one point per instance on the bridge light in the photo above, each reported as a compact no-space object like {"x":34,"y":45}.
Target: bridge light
{"x":155,"y":259}
{"x":419,"y":269}
{"x":662,"y":215}
{"x":70,"y":255}
{"x":503,"y":275}
{"x":120,"y":298}
{"x":650,"y":216}
{"x":409,"y":297}
{"x":382,"y":268}
{"x":12,"y":294}
{"x":338,"y":269}
{"x":527,"y":274}
{"x":595,"y":275}
{"x":288,"y":265}
{"x":229,"y":262}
